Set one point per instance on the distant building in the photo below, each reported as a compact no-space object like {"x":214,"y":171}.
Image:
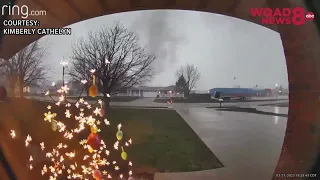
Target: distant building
{"x":75,"y":88}
{"x":199,"y":92}
{"x":32,"y":89}
{"x":152,"y":92}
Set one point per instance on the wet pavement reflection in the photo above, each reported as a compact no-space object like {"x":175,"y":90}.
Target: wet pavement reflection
{"x":248,"y":145}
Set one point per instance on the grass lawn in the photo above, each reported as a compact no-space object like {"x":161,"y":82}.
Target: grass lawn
{"x":162,"y":140}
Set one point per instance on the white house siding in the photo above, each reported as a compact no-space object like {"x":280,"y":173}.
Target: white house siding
{"x":135,"y":93}
{"x":166,"y":94}
{"x":122,"y":94}
{"x":151,"y":94}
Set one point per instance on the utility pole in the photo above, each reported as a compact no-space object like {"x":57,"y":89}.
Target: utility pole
{"x":63,"y":63}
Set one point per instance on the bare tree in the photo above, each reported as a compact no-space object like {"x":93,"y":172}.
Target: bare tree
{"x":192,"y":76}
{"x":79,"y":71}
{"x":116,"y":55}
{"x":9,"y":71}
{"x":26,"y":67}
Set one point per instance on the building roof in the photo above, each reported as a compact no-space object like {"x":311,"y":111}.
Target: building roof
{"x":153,"y":88}
{"x":169,"y":88}
{"x":150,"y":88}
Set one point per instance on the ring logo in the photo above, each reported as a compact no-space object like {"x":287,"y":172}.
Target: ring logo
{"x":296,"y":16}
{"x":23,"y":10}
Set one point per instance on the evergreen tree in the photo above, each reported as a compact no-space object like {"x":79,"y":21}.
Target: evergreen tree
{"x":181,"y":84}
{"x":280,"y":88}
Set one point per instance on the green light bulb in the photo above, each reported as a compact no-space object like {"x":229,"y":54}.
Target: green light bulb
{"x":119,"y":135}
{"x":124,"y":155}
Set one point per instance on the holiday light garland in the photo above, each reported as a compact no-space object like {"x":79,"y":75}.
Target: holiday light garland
{"x":96,"y":156}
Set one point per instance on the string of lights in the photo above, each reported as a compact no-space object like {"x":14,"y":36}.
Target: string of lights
{"x":62,"y":158}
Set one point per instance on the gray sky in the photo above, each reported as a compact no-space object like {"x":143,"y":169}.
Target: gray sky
{"x":221,"y":47}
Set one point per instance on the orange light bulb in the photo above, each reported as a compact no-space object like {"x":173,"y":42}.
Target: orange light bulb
{"x":93,"y":91}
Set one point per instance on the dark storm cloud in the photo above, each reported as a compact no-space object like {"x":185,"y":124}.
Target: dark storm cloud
{"x":221,"y":47}
{"x":160,"y":37}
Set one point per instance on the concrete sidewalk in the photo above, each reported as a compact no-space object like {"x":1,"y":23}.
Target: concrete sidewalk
{"x":247,"y":144}
{"x":275,"y":109}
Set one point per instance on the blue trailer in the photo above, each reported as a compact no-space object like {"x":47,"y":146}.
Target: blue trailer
{"x":237,"y":93}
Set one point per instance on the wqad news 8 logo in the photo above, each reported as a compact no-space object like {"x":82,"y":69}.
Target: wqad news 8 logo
{"x":296,"y":16}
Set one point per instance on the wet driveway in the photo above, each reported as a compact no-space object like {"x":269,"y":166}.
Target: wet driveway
{"x":247,"y":144}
